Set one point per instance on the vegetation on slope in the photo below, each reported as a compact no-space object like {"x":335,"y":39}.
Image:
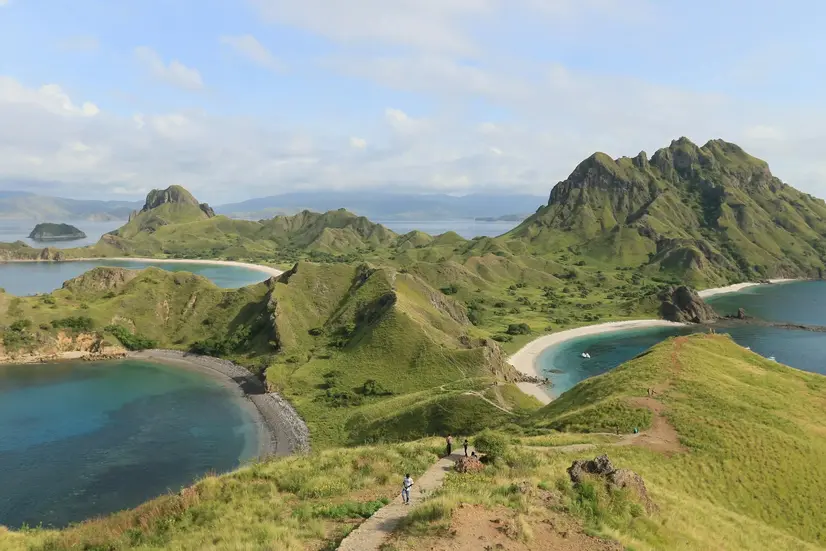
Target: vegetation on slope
{"x":746,"y":426}
{"x":707,"y":214}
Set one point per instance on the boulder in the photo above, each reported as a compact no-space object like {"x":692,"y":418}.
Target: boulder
{"x":613,"y":478}
{"x":683,"y":305}
{"x":741,"y":314}
{"x":600,"y":466}
{"x":468,"y":465}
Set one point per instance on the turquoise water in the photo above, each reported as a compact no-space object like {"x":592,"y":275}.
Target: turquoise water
{"x":80,"y":439}
{"x":802,"y":302}
{"x":30,"y":278}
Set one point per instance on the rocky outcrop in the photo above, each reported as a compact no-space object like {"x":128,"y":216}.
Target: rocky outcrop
{"x":468,"y":465}
{"x":100,"y":279}
{"x":681,"y":304}
{"x":176,"y":195}
{"x":602,"y":468}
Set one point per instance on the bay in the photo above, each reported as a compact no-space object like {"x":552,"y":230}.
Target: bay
{"x":84,"y":439}
{"x":799,"y":302}
{"x":30,"y":278}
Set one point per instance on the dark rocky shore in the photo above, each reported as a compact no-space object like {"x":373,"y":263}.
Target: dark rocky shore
{"x":285,"y":431}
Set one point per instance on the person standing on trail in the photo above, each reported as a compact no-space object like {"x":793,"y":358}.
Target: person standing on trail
{"x":406,"y":485}
{"x":449,"y":441}
{"x":465,"y":444}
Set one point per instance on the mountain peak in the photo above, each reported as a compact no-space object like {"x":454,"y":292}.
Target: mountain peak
{"x":177,"y":195}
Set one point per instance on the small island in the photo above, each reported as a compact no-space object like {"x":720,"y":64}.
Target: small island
{"x":56,"y":232}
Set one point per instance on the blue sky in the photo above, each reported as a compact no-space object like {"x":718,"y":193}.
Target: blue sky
{"x":243,"y":98}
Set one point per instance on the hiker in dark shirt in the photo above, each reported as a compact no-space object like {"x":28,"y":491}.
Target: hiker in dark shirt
{"x":449,"y":441}
{"x":465,"y":444}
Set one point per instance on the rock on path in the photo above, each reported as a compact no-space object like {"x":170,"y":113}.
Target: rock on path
{"x":374,"y":531}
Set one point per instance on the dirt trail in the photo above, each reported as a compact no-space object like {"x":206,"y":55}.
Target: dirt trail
{"x":373,"y":532}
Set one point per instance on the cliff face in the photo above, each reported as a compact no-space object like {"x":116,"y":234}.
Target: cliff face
{"x":82,"y":346}
{"x":176,"y":195}
{"x":683,"y":305}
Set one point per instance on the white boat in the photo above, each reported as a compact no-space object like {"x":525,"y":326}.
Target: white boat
{"x":585,"y":355}
{"x":771,"y":359}
{"x":748,"y":348}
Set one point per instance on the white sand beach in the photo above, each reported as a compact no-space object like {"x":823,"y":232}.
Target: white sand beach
{"x":706,"y":293}
{"x":525,"y":359}
{"x":274,"y":272}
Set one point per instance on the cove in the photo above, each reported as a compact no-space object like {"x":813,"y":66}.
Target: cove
{"x":84,"y":439}
{"x":30,"y":278}
{"x":800,"y":302}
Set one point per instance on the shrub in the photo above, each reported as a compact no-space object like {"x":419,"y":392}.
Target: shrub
{"x":519,"y":329}
{"x":492,"y":444}
{"x":450,"y":290}
{"x":371,"y":387}
{"x":78,"y":323}
{"x":129,"y":340}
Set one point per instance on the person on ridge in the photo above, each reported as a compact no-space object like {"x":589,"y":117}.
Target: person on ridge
{"x":449,"y":440}
{"x":406,"y":485}
{"x":465,"y":444}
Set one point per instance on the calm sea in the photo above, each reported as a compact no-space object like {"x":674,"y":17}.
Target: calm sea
{"x":800,"y":302}
{"x":79,"y":439}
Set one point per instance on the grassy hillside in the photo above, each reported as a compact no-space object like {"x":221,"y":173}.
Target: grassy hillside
{"x":743,"y":472}
{"x":746,"y":425}
{"x":707,"y":214}
{"x":366,"y":354}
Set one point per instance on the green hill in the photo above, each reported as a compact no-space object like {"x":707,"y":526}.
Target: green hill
{"x":364,"y":353}
{"x":744,"y":424}
{"x":707,"y":214}
{"x":740,"y":469}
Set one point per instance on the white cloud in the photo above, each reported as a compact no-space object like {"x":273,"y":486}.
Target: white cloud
{"x":48,"y":137}
{"x":433,"y":25}
{"x":174,"y":73}
{"x":4,"y":3}
{"x":358,"y":143}
{"x":249,"y":47}
{"x":49,"y":97}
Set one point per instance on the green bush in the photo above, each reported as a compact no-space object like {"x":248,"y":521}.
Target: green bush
{"x":492,"y":444}
{"x":130,"y":341}
{"x":78,"y":323}
{"x":519,"y":329}
{"x":450,"y":290}
{"x":371,"y":387}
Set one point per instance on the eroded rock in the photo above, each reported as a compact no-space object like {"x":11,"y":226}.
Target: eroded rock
{"x":683,"y":305}
{"x":625,"y":479}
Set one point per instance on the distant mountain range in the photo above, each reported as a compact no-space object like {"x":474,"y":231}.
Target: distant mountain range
{"x":389,"y":206}
{"x":20,"y":205}
{"x":378,"y":205}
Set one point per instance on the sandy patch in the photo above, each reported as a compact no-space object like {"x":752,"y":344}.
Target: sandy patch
{"x":706,"y":293}
{"x":274,"y":272}
{"x":525,"y":359}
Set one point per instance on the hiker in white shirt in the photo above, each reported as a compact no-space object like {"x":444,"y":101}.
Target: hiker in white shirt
{"x":406,"y":485}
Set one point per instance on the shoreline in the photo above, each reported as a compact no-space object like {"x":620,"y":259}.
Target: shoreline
{"x":272,"y":272}
{"x":282,"y":431}
{"x":708,"y":293}
{"x":525,"y":359}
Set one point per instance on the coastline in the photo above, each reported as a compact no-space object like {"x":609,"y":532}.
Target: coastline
{"x":524,"y":360}
{"x":282,"y":431}
{"x":272,"y":272}
{"x":708,"y":293}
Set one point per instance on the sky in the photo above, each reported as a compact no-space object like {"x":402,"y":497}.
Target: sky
{"x":243,"y":98}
